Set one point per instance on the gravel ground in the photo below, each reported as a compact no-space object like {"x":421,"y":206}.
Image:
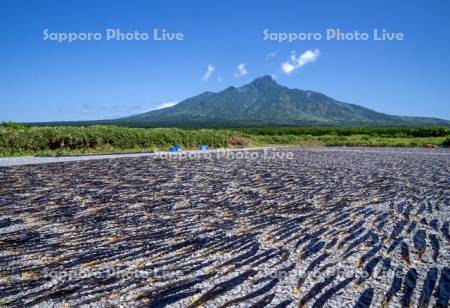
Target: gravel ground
{"x":333,"y":227}
{"x":32,"y":160}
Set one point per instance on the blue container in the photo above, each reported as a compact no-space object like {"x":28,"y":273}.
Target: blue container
{"x":175,"y":148}
{"x":204,"y":148}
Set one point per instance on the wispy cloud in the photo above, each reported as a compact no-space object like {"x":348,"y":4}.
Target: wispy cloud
{"x":108,"y":111}
{"x":296,"y":62}
{"x":242,"y":70}
{"x":271,"y":54}
{"x":210,"y":70}
{"x":164,"y":105}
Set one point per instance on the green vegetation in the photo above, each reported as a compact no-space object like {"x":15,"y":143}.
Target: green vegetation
{"x":355,"y":140}
{"x":371,"y":131}
{"x":21,"y":140}
{"x":18,"y":139}
{"x":368,"y":137}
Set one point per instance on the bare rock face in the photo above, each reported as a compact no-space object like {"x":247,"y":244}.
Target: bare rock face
{"x":329,"y":227}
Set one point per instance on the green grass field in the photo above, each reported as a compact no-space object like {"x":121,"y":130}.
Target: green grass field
{"x":17,"y":139}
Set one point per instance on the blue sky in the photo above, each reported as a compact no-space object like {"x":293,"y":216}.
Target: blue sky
{"x":43,"y":80}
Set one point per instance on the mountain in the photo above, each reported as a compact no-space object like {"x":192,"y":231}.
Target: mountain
{"x":265,"y":102}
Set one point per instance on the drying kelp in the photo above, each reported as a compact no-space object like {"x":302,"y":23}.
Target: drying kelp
{"x":330,"y":227}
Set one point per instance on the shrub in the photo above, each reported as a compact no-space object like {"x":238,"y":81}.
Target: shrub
{"x":446,"y":142}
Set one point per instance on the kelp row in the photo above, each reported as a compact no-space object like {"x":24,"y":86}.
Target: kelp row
{"x":327,"y":228}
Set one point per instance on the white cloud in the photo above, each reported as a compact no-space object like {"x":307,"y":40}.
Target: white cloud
{"x":241,"y":70}
{"x":308,"y":56}
{"x":296,"y":62}
{"x":209,"y":72}
{"x":287,"y":67}
{"x":164,"y":105}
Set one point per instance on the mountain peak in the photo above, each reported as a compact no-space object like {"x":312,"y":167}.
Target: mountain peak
{"x":263,"y":83}
{"x":264,"y":79}
{"x":264,"y":102}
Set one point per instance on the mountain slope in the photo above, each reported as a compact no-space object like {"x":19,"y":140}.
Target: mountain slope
{"x":264,"y":102}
